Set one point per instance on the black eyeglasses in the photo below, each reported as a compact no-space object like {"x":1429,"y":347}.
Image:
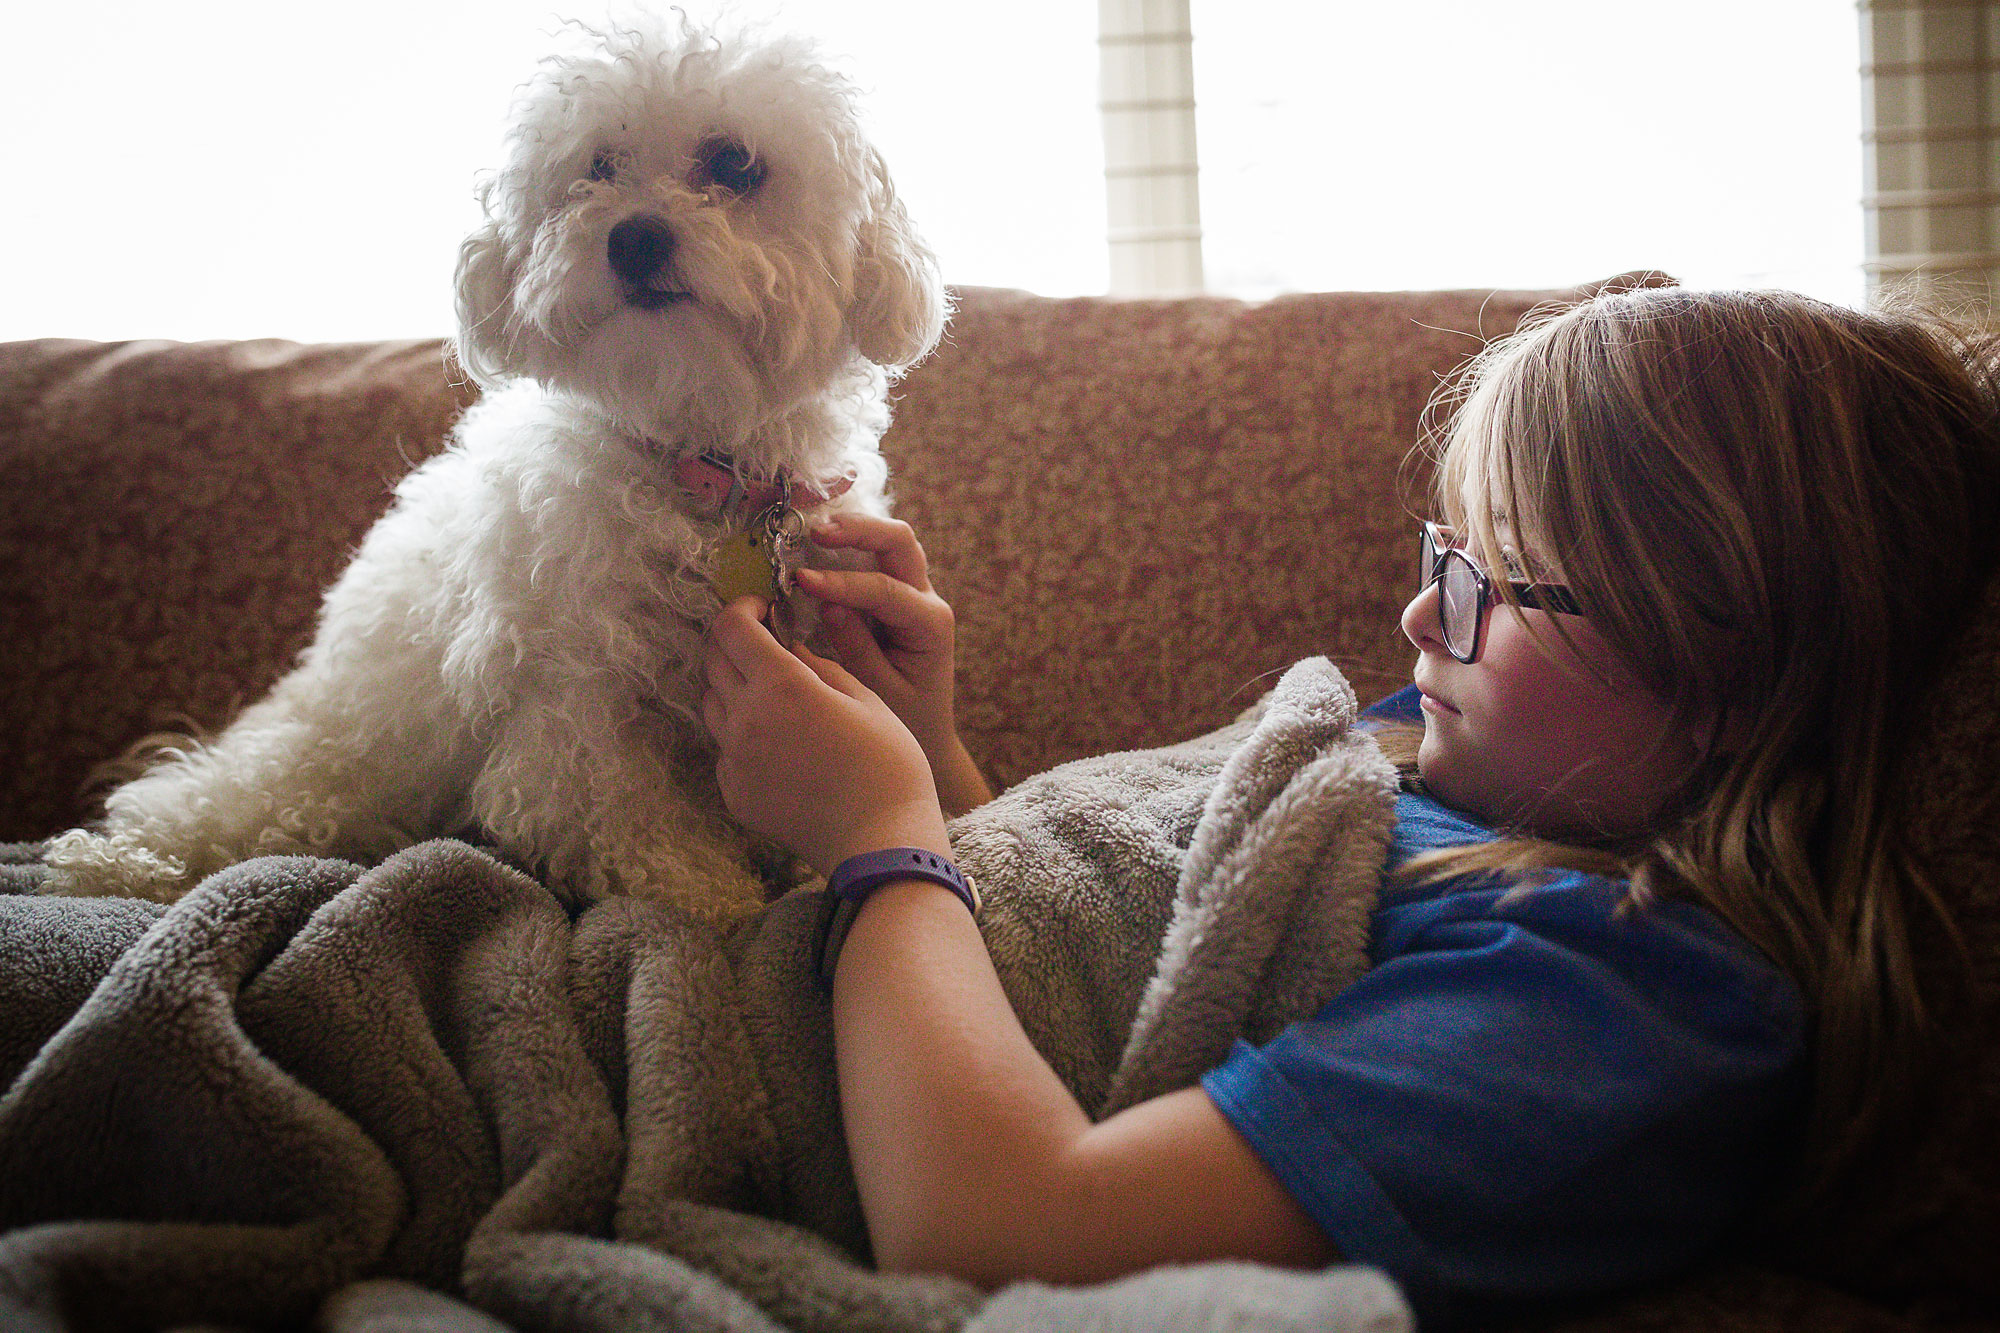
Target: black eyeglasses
{"x":1465,"y":592}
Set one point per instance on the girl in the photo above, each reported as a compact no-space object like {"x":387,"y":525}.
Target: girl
{"x":1700,"y":553}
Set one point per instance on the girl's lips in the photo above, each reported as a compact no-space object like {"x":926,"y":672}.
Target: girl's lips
{"x":1432,"y":704}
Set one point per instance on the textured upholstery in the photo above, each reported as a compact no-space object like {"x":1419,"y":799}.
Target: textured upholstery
{"x":172,"y":514}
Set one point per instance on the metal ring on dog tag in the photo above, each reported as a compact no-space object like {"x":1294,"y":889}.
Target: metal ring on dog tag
{"x":787,"y":527}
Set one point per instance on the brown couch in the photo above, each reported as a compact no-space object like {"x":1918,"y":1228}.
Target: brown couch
{"x":1140,"y":509}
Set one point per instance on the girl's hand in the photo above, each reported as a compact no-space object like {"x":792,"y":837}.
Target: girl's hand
{"x":809,"y":755}
{"x":911,"y":667}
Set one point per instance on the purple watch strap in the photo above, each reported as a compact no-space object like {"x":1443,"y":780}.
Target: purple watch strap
{"x":855,"y":878}
{"x":858,"y":876}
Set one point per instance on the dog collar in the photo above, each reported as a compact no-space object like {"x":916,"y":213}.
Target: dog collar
{"x":717,"y":486}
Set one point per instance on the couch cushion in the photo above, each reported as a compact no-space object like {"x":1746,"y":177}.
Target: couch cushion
{"x":172,"y":514}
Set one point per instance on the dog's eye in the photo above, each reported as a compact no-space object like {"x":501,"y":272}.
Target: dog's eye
{"x":604,"y":165}
{"x":729,"y":164}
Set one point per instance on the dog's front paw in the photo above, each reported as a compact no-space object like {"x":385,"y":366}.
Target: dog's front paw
{"x":94,"y":865}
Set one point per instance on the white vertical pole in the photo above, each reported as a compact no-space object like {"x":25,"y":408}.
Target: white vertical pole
{"x":1146,"y":89}
{"x":1930,"y":78}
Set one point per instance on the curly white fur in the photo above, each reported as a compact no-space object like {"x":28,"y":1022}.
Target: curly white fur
{"x":515,"y":647}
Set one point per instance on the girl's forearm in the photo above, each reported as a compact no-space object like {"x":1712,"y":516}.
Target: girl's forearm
{"x":973,"y":1158}
{"x":956,"y":1126}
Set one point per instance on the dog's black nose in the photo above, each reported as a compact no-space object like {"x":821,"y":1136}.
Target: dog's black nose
{"x":640,"y":247}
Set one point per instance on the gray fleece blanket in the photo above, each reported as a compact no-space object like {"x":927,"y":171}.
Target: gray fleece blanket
{"x":425,"y":1096}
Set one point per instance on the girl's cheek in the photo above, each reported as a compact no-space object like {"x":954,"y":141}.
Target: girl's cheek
{"x":1513,"y":672}
{"x":1544,"y":695}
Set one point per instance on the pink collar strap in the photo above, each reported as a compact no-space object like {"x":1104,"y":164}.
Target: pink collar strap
{"x":717,"y":486}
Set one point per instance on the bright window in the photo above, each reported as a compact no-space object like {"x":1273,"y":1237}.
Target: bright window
{"x":1464,"y":143}
{"x":234,"y":168}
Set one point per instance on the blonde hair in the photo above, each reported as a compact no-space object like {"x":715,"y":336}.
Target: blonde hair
{"x":1777,"y":511}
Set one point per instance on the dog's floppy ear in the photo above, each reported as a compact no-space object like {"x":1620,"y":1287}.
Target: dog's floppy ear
{"x":481,"y":295}
{"x":899,"y":303}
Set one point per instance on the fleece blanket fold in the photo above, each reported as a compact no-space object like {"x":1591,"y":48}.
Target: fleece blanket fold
{"x":425,"y":1095}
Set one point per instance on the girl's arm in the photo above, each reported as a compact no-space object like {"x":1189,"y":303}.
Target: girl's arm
{"x":974,"y":1159}
{"x":971,"y":1156}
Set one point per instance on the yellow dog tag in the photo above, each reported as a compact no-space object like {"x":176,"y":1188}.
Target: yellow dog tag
{"x":745,"y":565}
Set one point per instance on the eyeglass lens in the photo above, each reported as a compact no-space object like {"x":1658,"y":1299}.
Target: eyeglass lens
{"x":1459,"y":599}
{"x":1460,"y":594}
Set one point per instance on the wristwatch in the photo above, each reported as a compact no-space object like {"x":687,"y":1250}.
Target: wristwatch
{"x":858,"y":876}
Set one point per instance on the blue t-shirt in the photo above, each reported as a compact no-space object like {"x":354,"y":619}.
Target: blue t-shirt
{"x":1528,"y":1096}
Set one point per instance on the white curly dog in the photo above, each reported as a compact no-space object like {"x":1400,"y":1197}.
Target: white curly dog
{"x":692,"y":287}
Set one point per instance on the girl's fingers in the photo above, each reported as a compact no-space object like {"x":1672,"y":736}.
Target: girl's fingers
{"x":722,"y":674}
{"x":743,"y":648}
{"x":739,"y":638}
{"x":855,"y":645}
{"x":895,"y":602}
{"x":891,"y":541}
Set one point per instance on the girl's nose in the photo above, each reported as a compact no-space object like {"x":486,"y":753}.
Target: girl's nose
{"x":1420,"y":619}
